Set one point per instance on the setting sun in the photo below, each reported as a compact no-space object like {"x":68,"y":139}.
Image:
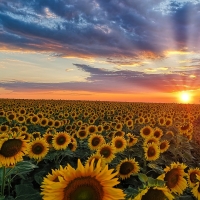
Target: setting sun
{"x":185,"y":97}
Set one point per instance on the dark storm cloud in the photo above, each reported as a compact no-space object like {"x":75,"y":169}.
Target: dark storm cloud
{"x":97,"y":28}
{"x":123,"y":81}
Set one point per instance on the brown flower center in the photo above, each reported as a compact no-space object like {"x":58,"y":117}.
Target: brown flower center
{"x":126,"y":168}
{"x":95,"y":141}
{"x":60,"y":140}
{"x":172,"y":178}
{"x":105,"y":151}
{"x":153,"y":194}
{"x":151,"y":152}
{"x":37,"y":148}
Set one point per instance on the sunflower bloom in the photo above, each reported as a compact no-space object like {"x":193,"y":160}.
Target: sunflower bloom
{"x":83,"y":183}
{"x":196,"y":189}
{"x":146,"y":132}
{"x":38,"y":149}
{"x":127,"y":167}
{"x":192,"y":176}
{"x":96,"y":157}
{"x":107,"y":151}
{"x":164,"y":145}
{"x":61,"y":140}
{"x":95,"y":141}
{"x":152,"y":151}
{"x":152,"y":193}
{"x":174,"y":177}
{"x":119,"y":143}
{"x":12,"y":149}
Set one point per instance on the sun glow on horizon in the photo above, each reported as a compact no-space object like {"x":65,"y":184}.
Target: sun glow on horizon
{"x":185,"y":97}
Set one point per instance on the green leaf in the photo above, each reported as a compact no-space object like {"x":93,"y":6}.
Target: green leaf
{"x":143,"y":177}
{"x":26,"y":192}
{"x":23,"y":167}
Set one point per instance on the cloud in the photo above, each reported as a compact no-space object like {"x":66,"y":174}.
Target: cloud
{"x":99,"y":28}
{"x":119,"y":81}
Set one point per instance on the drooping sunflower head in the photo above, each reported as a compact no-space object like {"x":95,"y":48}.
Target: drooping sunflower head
{"x":146,"y":131}
{"x":61,"y":140}
{"x":164,"y":145}
{"x":12,"y":149}
{"x":155,"y":193}
{"x":127,"y":167}
{"x":86,"y":183}
{"x":152,"y":151}
{"x":192,"y":176}
{"x":38,"y":148}
{"x":119,"y":143}
{"x":95,"y":141}
{"x":174,"y":177}
{"x":107,"y":151}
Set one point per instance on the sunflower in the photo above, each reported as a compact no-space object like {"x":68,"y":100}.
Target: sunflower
{"x":48,"y":138}
{"x":73,"y":144}
{"x":168,"y":122}
{"x":107,"y":151}
{"x":11,"y":116}
{"x":158,"y":133}
{"x":35,"y":119}
{"x":118,"y":126}
{"x":96,"y":158}
{"x":95,"y":141}
{"x":161,"y":121}
{"x":22,"y":111}
{"x":192,"y":176}
{"x":23,"y":128}
{"x":99,"y":128}
{"x":4,"y":128}
{"x":61,"y":140}
{"x":50,"y":122}
{"x":129,"y":123}
{"x":38,"y":149}
{"x":152,"y":151}
{"x":26,"y":135}
{"x":146,"y":131}
{"x":119,"y":133}
{"x":164,"y":145}
{"x":15,"y":129}
{"x":196,"y":188}
{"x":91,"y":129}
{"x":83,"y":183}
{"x":174,"y":177}
{"x":119,"y":143}
{"x":127,"y":167}
{"x":57,"y":124}
{"x":21,"y":119}
{"x":152,"y":193}
{"x":44,"y":122}
{"x":151,"y":140}
{"x":12,"y":149}
{"x":82,"y":134}
{"x":36,"y":135}
{"x":131,"y":140}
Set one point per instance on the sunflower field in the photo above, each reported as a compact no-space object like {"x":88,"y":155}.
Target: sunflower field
{"x":92,"y":150}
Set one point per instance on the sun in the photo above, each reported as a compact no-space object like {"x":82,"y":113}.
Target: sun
{"x":185,"y":97}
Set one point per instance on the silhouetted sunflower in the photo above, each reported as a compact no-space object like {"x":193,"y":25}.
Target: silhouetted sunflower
{"x":83,"y":183}
{"x":174,"y":177}
{"x":95,"y":141}
{"x":38,"y":148}
{"x":127,"y":167}
{"x":152,"y":152}
{"x":154,"y":193}
{"x":61,"y":140}
{"x":107,"y":151}
{"x":119,"y":143}
{"x":12,"y":149}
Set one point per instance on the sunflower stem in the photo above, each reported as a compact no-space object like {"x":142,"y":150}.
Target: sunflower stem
{"x":3,"y":181}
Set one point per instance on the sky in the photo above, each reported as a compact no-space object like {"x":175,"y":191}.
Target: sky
{"x":100,"y":50}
